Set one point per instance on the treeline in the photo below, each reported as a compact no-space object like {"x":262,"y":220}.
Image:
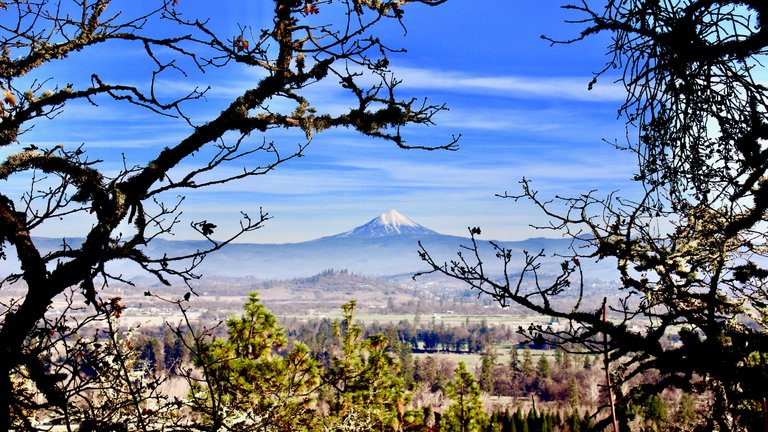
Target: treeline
{"x":465,"y":412}
{"x":328,"y":371}
{"x":163,"y":350}
{"x":431,"y":337}
{"x":534,"y":421}
{"x":553,"y":375}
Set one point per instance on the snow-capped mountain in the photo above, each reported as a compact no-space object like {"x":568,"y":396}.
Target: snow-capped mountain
{"x":391,"y":223}
{"x":386,"y":245}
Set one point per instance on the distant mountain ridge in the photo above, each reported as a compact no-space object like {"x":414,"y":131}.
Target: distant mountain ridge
{"x":385,"y":246}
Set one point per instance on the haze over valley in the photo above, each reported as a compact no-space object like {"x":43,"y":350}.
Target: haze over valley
{"x":373,"y":263}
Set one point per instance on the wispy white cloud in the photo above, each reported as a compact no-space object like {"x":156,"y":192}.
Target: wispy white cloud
{"x":363,"y":175}
{"x":452,"y":81}
{"x":574,"y":88}
{"x":541,"y":121}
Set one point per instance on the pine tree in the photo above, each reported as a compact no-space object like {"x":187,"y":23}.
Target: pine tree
{"x":519,"y":419}
{"x":150,"y":353}
{"x":368,"y":392}
{"x":543,"y":368}
{"x":527,"y":367}
{"x":514,"y":358}
{"x":573,"y":394}
{"x":250,"y":381}
{"x":494,"y":425}
{"x":509,"y":422}
{"x":574,"y":422}
{"x":174,"y":352}
{"x":466,"y":413}
{"x":654,"y":411}
{"x":524,"y":425}
{"x":686,"y":412}
{"x":546,"y":426}
{"x":488,"y":360}
{"x":533,"y":419}
{"x":512,"y":425}
{"x":402,"y":350}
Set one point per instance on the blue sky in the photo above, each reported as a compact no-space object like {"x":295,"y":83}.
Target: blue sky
{"x":521,"y":106}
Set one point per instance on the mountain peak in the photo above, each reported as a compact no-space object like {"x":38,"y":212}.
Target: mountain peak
{"x":394,"y":220}
{"x":391,"y":223}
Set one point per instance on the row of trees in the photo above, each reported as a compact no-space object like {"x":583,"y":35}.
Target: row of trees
{"x":540,"y":421}
{"x":466,"y":413}
{"x":430,"y":337}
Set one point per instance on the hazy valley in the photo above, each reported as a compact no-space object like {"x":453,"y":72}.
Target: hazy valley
{"x":373,"y":264}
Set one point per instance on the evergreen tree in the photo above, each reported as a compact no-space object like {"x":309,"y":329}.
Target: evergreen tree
{"x":587,"y":422}
{"x":524,"y":425}
{"x":533,"y":420}
{"x":367,"y":392}
{"x":573,"y":394}
{"x":174,"y":352}
{"x":519,"y":419}
{"x":509,"y":422}
{"x":654,"y":412}
{"x":574,"y":422}
{"x":545,"y":423}
{"x":251,"y":381}
{"x":487,"y":361}
{"x":494,"y":425}
{"x":559,"y":357}
{"x":543,"y":368}
{"x":150,"y":353}
{"x":686,"y":412}
{"x":403,"y":352}
{"x":527,"y":367}
{"x":514,"y":358}
{"x":466,"y":413}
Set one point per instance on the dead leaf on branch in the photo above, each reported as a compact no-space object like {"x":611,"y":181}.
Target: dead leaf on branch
{"x":241,"y":44}
{"x":9,"y":98}
{"x":310,"y":9}
{"x":206,"y":227}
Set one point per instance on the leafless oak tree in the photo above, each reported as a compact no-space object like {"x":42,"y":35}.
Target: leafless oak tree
{"x":129,"y":208}
{"x":691,"y":249}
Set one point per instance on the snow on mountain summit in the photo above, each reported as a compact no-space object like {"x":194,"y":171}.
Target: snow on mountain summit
{"x":391,"y":223}
{"x":394,"y":220}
